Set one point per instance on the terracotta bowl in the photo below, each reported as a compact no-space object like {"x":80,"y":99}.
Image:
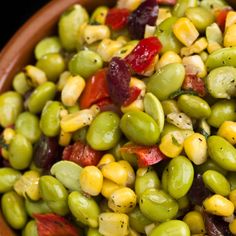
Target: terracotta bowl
{"x":19,"y":50}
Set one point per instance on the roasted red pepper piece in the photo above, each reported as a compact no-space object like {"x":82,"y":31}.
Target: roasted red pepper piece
{"x":167,"y":2}
{"x":194,"y":83}
{"x":117,"y":18}
{"x":221,"y":17}
{"x":143,"y":54}
{"x":81,"y":154}
{"x":54,"y":225}
{"x":133,"y":94}
{"x":95,"y":90}
{"x":146,"y":155}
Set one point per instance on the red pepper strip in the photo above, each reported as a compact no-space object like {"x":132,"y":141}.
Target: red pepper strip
{"x":54,"y":225}
{"x":167,"y":2}
{"x":143,"y":54}
{"x":117,"y":18}
{"x":81,"y":154}
{"x":95,"y":90}
{"x":133,"y":94}
{"x":221,"y":18}
{"x":194,"y":83}
{"x":146,"y":155}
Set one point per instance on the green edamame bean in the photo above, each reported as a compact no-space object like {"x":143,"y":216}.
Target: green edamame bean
{"x":8,"y":176}
{"x":138,"y":221}
{"x":146,"y":178}
{"x":68,"y":173}
{"x":222,"y":57}
{"x":171,"y":228}
{"x":69,"y":26}
{"x":30,"y":229}
{"x":27,"y":124}
{"x":52,"y":64}
{"x":126,"y":49}
{"x":46,"y":46}
{"x":194,"y":106}
{"x":201,"y":17}
{"x":166,"y":80}
{"x":222,"y":152}
{"x":164,"y":179}
{"x":50,"y":118}
{"x":104,"y":132}
{"x":54,"y":193}
{"x":93,"y":232}
{"x":80,"y":134}
{"x":231,"y":177}
{"x":169,"y":106}
{"x":216,"y":182}
{"x":12,"y":206}
{"x":165,"y":34}
{"x":36,"y":207}
{"x":20,"y":83}
{"x":85,"y":63}
{"x":139,"y":127}
{"x":213,"y":4}
{"x":157,"y":205}
{"x":11,"y":105}
{"x":180,"y":176}
{"x":40,"y":96}
{"x":20,"y":152}
{"x":222,"y":111}
{"x":182,"y":6}
{"x":84,"y":209}
{"x":221,"y":82}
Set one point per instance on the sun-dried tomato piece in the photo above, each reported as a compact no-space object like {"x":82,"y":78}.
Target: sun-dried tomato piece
{"x":143,"y":54}
{"x":133,"y":94}
{"x":117,"y":18}
{"x":118,"y":79}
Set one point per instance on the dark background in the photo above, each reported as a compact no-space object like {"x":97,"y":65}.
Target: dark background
{"x":13,"y":14}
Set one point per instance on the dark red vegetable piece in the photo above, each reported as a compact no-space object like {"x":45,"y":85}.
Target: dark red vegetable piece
{"x":146,"y":155}
{"x":198,"y":192}
{"x":81,"y":154}
{"x":167,"y":2}
{"x":133,"y":94}
{"x":194,"y":83}
{"x":143,"y":54}
{"x":221,"y":17}
{"x":117,"y":18}
{"x":54,"y":225}
{"x":46,"y":152}
{"x":145,"y":14}
{"x":216,"y":226}
{"x":118,"y":79}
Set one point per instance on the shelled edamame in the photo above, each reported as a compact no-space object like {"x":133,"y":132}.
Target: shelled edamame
{"x":125,"y":125}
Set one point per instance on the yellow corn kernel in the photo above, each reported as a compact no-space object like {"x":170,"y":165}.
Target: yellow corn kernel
{"x":108,"y":187}
{"x":91,"y":180}
{"x":80,"y":36}
{"x":133,"y":232}
{"x":126,"y":49}
{"x":230,"y":19}
{"x":172,"y":144}
{"x":36,"y":75}
{"x":152,"y":67}
{"x":227,"y":130}
{"x":195,"y":65}
{"x":62,"y":80}
{"x":214,"y":34}
{"x":185,"y":31}
{"x":130,"y":172}
{"x":135,"y":105}
{"x":195,"y":147}
{"x":135,"y":82}
{"x":169,"y":106}
{"x":129,"y":4}
{"x":232,"y":197}
{"x":122,"y":200}
{"x":93,"y":33}
{"x":149,"y":31}
{"x":64,"y":138}
{"x":8,"y":134}
{"x":79,"y":119}
{"x":123,"y":39}
{"x":28,"y":185}
{"x":232,"y":227}
{"x":213,"y":46}
{"x":72,"y":90}
{"x":168,"y":58}
{"x":230,"y":36}
{"x":99,"y":15}
{"x":107,"y":48}
{"x":115,"y":224}
{"x":196,"y":48}
{"x":107,"y":158}
{"x":163,"y":14}
{"x":218,"y":205}
{"x":195,"y":222}
{"x":204,"y":55}
{"x":115,"y":172}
